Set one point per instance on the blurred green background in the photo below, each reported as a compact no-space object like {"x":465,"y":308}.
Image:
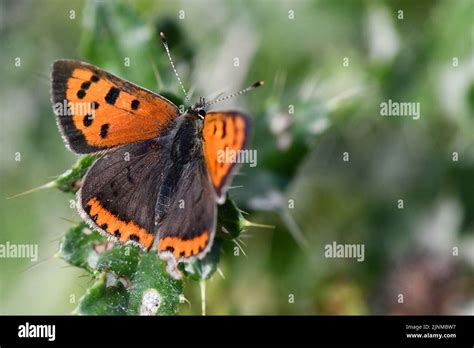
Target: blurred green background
{"x":330,"y":167}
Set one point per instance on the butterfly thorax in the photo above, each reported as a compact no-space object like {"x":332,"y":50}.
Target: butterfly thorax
{"x":187,"y":140}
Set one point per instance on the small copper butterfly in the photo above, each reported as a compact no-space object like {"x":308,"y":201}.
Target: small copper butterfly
{"x":158,"y":180}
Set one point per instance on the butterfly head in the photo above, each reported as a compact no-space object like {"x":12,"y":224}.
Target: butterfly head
{"x":199,"y":109}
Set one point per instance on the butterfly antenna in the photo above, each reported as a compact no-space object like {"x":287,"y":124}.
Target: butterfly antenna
{"x":165,"y":43}
{"x":245,"y":90}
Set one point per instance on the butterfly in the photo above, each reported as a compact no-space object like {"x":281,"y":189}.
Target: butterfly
{"x":159,"y":178}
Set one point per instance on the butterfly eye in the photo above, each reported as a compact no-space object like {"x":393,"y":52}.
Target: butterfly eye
{"x":202,"y":113}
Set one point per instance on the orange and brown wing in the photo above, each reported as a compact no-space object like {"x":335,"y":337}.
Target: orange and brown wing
{"x":225,"y":133}
{"x":96,"y":110}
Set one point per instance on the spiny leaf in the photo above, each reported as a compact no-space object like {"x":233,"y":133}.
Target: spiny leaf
{"x":77,"y":247}
{"x":152,"y":286}
{"x":68,"y":181}
{"x":122,"y":261}
{"x":230,"y":221}
{"x":104,"y":299}
{"x":124,"y":271}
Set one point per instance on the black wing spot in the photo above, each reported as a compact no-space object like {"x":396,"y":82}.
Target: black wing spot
{"x":117,"y":233}
{"x":104,"y":130}
{"x":135,"y":104}
{"x":104,"y":227}
{"x":223,"y":129}
{"x":134,"y":237}
{"x":86,"y":85}
{"x":95,"y":105}
{"x":95,"y":78}
{"x":81,"y":93}
{"x":87,"y":209}
{"x":112,"y":95}
{"x":87,"y":120}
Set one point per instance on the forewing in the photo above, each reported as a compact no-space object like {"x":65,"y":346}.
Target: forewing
{"x":96,"y":110}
